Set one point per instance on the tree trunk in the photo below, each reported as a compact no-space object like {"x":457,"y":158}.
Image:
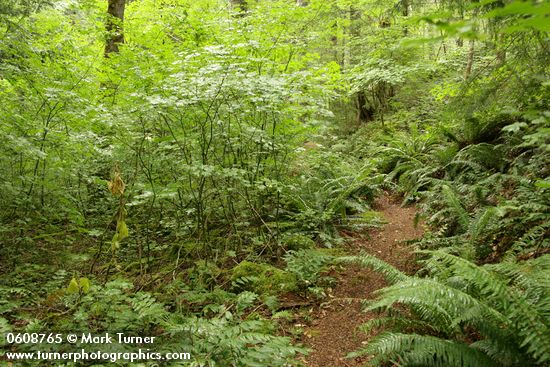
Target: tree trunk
{"x":115,"y":20}
{"x":365,"y":113}
{"x":501,"y":50}
{"x":470,"y":62}
{"x":405,"y":13}
{"x":240,"y":5}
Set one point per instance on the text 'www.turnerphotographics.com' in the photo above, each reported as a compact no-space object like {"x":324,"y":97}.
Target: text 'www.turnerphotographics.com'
{"x":89,"y":347}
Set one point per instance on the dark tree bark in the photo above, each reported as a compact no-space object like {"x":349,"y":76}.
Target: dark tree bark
{"x":365,"y":112}
{"x":405,"y":8}
{"x":115,"y":20}
{"x":405,"y":13}
{"x":240,"y":5}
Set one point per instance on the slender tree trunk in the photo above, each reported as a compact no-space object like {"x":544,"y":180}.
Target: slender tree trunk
{"x":365,"y":112}
{"x":115,"y":20}
{"x":240,"y":5}
{"x":501,"y":57}
{"x":459,"y":40}
{"x":346,"y":60}
{"x":501,"y":50}
{"x":350,"y":34}
{"x":470,"y":62}
{"x":405,"y":13}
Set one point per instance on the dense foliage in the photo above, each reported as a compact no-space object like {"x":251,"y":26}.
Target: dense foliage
{"x":183,"y":185}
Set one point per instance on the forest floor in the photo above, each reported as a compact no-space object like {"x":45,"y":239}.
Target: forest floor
{"x":333,"y":332}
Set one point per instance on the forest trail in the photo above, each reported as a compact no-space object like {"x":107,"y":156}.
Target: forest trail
{"x":333,"y":333}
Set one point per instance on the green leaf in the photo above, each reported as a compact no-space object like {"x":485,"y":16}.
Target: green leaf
{"x":122,"y":230}
{"x":543,"y":184}
{"x":84,"y":284}
{"x":73,"y":287}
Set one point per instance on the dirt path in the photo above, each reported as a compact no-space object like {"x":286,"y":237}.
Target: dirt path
{"x":333,"y":333}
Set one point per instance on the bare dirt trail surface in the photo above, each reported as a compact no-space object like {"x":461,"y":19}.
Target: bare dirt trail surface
{"x":333,"y":332}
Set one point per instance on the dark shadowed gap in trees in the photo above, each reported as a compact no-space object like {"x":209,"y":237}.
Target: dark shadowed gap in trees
{"x":365,"y":112}
{"x":239,"y":5}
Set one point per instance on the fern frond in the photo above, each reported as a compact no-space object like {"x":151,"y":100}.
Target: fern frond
{"x":465,"y":163}
{"x":482,"y":221}
{"x":444,"y":306}
{"x":530,"y":323}
{"x":486,"y":155}
{"x":391,"y":273}
{"x":396,"y":322}
{"x":423,"y":350}
{"x":529,"y":276}
{"x":453,"y":201}
{"x":502,"y":351}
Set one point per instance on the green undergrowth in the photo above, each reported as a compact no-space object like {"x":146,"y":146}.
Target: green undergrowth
{"x":224,"y":310}
{"x":191,"y":183}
